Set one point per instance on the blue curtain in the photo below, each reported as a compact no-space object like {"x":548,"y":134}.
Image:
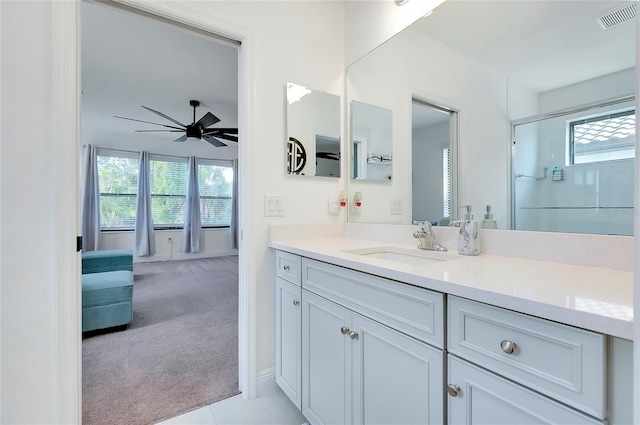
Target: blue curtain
{"x":90,"y":201}
{"x":145,"y":235}
{"x":192,"y":224}
{"x":234,"y":207}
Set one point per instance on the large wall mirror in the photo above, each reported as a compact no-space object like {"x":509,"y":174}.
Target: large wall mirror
{"x":494,"y":65}
{"x":313,"y":132}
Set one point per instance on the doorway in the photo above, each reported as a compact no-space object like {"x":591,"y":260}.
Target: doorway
{"x":125,"y":145}
{"x":433,"y":135}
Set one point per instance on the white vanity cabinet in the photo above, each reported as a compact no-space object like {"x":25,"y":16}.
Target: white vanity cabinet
{"x":477,"y":396}
{"x":355,"y":348}
{"x":554,"y":373}
{"x":288,"y":325}
{"x":356,"y":367}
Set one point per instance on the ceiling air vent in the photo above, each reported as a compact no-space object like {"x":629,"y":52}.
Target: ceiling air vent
{"x":617,"y":15}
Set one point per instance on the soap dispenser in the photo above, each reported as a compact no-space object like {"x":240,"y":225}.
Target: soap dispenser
{"x":468,"y":241}
{"x":488,"y":222}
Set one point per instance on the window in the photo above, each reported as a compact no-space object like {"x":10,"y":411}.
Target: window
{"x":215,"y":185}
{"x":446,"y":182}
{"x":168,"y":186}
{"x":602,"y":138}
{"x":118,"y":185}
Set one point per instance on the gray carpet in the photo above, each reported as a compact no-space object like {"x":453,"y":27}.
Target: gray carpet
{"x":180,"y":353}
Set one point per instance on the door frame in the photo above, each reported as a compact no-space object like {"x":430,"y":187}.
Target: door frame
{"x":66,"y":105}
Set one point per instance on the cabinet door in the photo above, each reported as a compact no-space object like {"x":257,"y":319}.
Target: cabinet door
{"x":396,"y":379}
{"x":481,"y":397}
{"x":325,"y":350}
{"x":288,"y":337}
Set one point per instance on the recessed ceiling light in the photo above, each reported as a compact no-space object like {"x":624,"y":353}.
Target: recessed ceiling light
{"x":401,"y":2}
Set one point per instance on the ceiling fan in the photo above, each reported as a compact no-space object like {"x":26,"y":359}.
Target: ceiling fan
{"x":197,"y":129}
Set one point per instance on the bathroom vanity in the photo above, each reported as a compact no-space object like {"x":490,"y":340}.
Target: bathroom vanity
{"x":373,"y":332}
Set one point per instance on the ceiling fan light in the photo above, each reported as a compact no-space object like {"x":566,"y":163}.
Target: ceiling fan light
{"x":194,"y":132}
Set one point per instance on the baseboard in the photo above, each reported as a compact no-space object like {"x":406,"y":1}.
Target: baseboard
{"x":182,"y":256}
{"x":266,"y":381}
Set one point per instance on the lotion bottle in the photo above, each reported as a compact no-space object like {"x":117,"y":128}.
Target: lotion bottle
{"x":488,"y":222}
{"x":468,"y":241}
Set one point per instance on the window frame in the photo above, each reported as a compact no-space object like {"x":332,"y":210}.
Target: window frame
{"x":589,"y":119}
{"x":220,"y":163}
{"x":176,"y":159}
{"x":115,"y":153}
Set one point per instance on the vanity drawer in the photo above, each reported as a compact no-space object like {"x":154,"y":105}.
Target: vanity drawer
{"x":413,"y":311}
{"x":288,"y":266}
{"x":563,"y":362}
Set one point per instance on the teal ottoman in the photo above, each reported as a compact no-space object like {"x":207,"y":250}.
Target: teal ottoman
{"x":107,"y":299}
{"x":107,"y":260}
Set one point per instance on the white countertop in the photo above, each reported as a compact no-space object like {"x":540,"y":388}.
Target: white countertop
{"x":593,"y":298}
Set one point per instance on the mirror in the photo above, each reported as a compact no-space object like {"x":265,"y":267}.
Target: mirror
{"x":371,"y":142}
{"x":490,"y":62}
{"x":313,"y":132}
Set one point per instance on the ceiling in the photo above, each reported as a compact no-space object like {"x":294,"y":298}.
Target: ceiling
{"x":542,"y":44}
{"x":129,"y":60}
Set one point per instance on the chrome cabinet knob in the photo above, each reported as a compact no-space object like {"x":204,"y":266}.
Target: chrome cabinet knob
{"x":344,"y":330}
{"x":508,"y":346}
{"x":296,"y":302}
{"x":286,"y":268}
{"x":353,"y":335}
{"x":453,"y":390}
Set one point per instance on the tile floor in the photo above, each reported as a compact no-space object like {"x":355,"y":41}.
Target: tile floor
{"x":273,"y":408}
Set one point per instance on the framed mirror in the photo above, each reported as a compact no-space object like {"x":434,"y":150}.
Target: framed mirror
{"x":491,"y":62}
{"x":313,"y":132}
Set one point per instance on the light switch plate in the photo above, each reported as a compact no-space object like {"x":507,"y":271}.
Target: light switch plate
{"x":274,"y":206}
{"x":334,"y":205}
{"x":396,"y":207}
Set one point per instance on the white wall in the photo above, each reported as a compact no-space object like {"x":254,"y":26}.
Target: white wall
{"x":27,"y":194}
{"x":291,"y":43}
{"x":405,"y":69}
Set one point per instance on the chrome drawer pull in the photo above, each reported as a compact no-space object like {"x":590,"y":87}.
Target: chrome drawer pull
{"x":296,"y":302}
{"x":344,"y":330}
{"x":453,"y":390}
{"x":286,"y":268}
{"x":353,"y":335}
{"x":508,"y":346}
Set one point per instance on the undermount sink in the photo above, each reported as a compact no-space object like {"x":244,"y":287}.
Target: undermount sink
{"x":403,"y":255}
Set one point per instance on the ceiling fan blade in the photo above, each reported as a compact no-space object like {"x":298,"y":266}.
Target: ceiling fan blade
{"x":207,"y":120}
{"x":328,"y":155}
{"x":181,"y":139}
{"x":170,"y":131}
{"x":220,"y":130}
{"x":215,"y":142}
{"x":164,"y":116}
{"x":223,"y":136}
{"x":149,"y":122}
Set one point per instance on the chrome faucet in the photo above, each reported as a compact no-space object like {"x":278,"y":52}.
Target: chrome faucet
{"x":427,"y":238}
